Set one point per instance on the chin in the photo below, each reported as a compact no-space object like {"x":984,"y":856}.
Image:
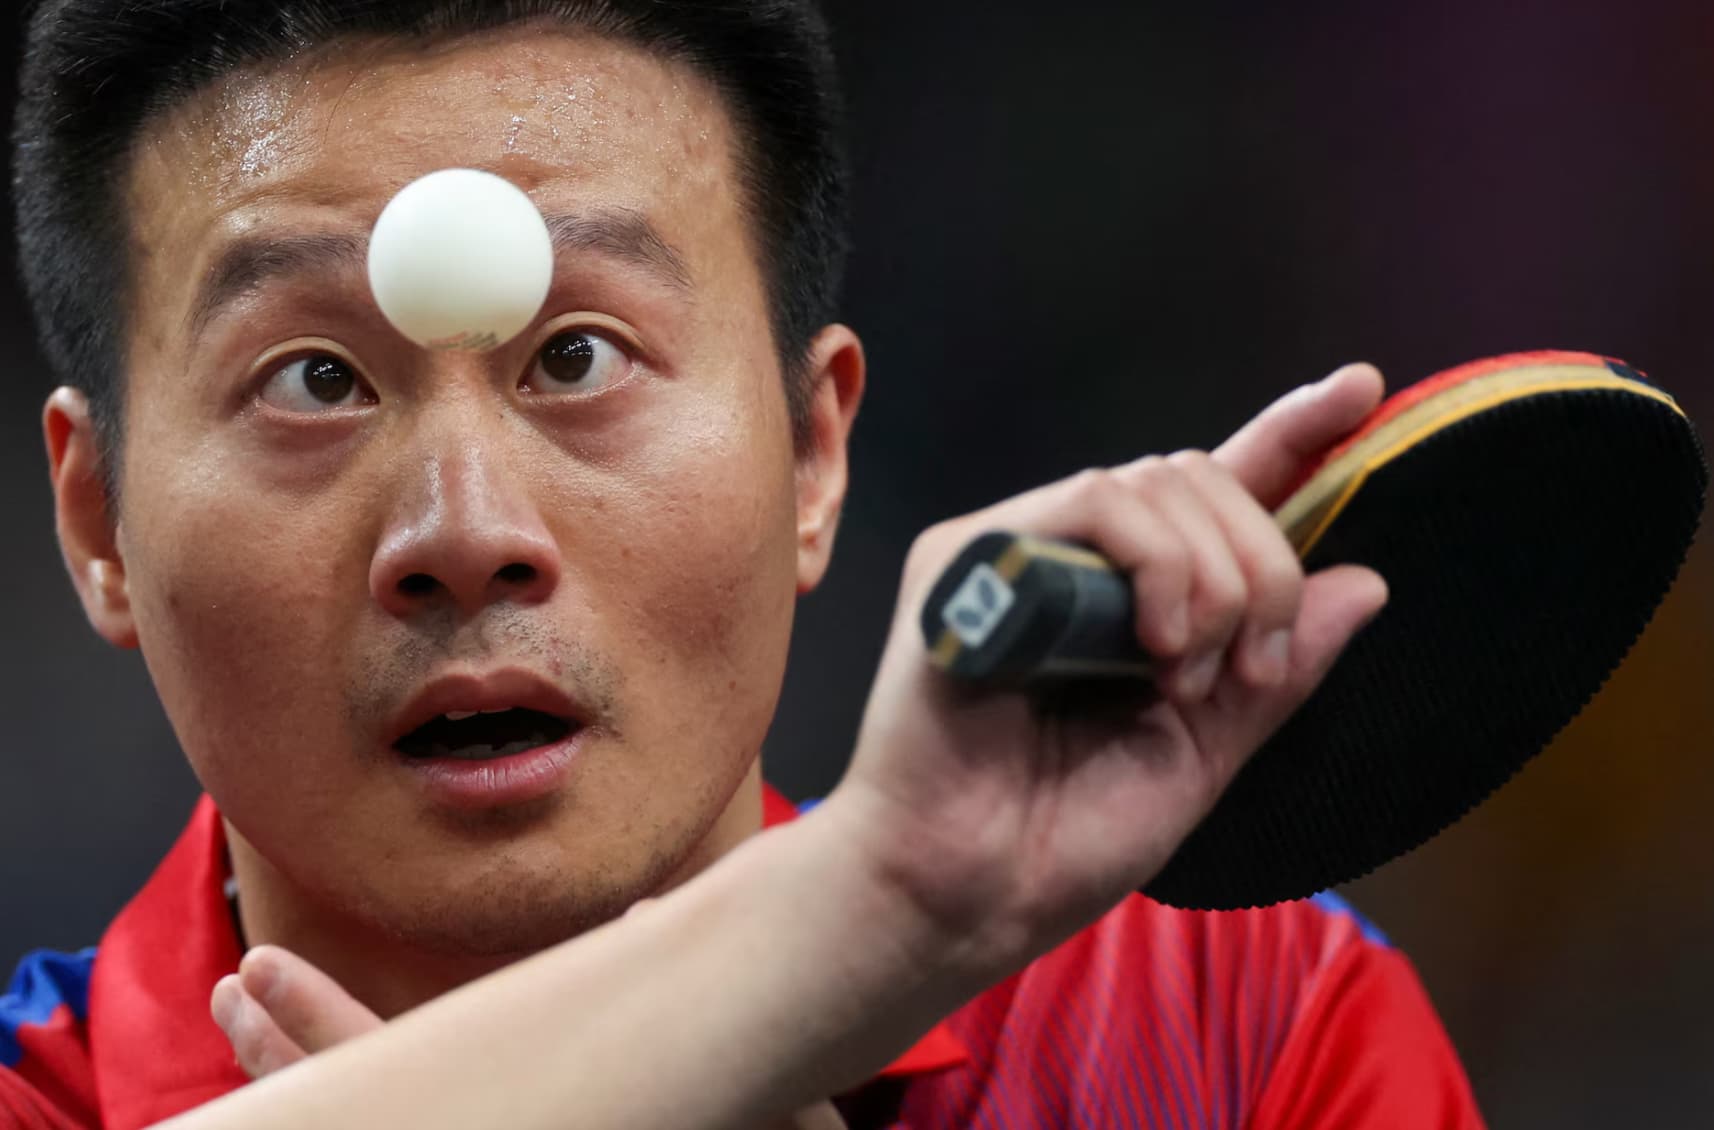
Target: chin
{"x":509,"y":905}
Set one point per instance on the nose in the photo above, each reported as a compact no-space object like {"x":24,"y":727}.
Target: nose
{"x":464,"y":534}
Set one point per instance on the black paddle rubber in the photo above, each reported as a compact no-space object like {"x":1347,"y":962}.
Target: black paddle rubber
{"x":1526,"y":548}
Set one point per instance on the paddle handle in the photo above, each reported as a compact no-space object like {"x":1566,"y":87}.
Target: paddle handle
{"x":1012,"y":611}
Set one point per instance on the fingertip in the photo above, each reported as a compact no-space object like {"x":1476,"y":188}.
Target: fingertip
{"x":1355,"y":596}
{"x":225,"y":1001}
{"x":1171,"y":636}
{"x":1338,"y":604}
{"x":1378,"y":595}
{"x":1197,"y":678}
{"x":1162,"y":593}
{"x":1266,"y":658}
{"x":256,"y":953}
{"x":1363,"y":371}
{"x":260,"y":972}
{"x":1359,"y":384}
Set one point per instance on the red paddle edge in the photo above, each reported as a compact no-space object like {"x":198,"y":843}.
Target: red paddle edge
{"x":1406,"y":399}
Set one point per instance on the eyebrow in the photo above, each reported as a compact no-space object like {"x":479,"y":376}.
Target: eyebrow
{"x":252,"y":261}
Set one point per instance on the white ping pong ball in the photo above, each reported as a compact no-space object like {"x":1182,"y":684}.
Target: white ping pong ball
{"x":461,"y":260}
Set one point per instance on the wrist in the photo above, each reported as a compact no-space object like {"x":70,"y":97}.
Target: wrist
{"x":937,"y":906}
{"x":841,"y":958}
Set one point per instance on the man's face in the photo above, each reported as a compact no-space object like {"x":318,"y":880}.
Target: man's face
{"x":320,"y":520}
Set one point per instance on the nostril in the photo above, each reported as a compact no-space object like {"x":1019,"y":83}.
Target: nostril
{"x":418,"y":584}
{"x":517,"y":573}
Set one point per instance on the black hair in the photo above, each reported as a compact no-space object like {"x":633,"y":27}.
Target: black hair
{"x":95,"y":72}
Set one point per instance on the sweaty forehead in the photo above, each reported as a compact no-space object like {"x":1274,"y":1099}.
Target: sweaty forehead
{"x":575,"y":119}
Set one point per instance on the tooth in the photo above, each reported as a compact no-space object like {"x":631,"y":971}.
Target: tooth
{"x":461,"y":715}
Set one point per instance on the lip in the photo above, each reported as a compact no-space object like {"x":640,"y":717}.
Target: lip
{"x":496,"y":690}
{"x":500,"y":781}
{"x":503,"y":781}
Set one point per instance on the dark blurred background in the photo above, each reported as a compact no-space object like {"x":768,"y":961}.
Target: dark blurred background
{"x":1088,"y":231}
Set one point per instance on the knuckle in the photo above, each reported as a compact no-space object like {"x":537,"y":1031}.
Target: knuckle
{"x":932,"y":546}
{"x":1282,"y":579}
{"x":1192,"y":460}
{"x":1227,"y":594}
{"x":1178,"y":558}
{"x":1145,"y":473}
{"x":1217,"y":480}
{"x":1094,"y":487}
{"x":1169,"y":558}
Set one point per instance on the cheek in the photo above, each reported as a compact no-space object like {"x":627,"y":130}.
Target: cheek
{"x":706,"y":581}
{"x":234,"y":618}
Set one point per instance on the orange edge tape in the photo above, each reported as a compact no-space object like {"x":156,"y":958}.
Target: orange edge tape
{"x":1387,"y":455}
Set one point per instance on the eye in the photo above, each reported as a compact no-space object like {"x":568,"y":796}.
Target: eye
{"x":577,"y":362}
{"x":317,"y":383}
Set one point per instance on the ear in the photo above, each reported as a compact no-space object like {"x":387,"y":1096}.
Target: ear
{"x":837,"y":371}
{"x":89,"y":536}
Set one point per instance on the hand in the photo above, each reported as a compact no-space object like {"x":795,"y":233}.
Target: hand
{"x":279,"y":1009}
{"x":1013,"y":821}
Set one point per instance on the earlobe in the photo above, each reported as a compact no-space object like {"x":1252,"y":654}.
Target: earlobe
{"x":88,"y":533}
{"x":837,"y":372}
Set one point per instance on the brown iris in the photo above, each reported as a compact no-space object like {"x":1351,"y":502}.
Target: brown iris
{"x":568,"y":358}
{"x":328,"y":379}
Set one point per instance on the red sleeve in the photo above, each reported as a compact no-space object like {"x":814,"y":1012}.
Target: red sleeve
{"x":1367,"y":1052}
{"x":22,"y":1107}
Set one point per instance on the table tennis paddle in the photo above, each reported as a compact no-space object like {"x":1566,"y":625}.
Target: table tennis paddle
{"x":1529,"y":513}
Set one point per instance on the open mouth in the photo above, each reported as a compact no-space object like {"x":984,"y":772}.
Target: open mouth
{"x":483,"y":736}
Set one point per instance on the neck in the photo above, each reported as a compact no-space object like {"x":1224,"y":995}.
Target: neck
{"x":390,"y":976}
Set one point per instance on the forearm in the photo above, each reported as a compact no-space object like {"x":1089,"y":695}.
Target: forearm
{"x":785,"y":973}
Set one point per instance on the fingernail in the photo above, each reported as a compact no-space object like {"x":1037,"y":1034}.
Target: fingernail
{"x":224,"y":1002}
{"x":1348,"y":367}
{"x":259,"y":975}
{"x":1178,"y":628}
{"x":1200,"y":676}
{"x":1276,"y":655}
{"x":1386,"y":599}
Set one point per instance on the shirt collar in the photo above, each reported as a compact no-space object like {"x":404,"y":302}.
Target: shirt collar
{"x":155,"y":1049}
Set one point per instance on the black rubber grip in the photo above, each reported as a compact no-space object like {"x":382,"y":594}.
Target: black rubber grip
{"x":1012,"y":611}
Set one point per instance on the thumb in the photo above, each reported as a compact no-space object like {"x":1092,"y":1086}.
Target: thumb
{"x":303,"y":1002}
{"x":1337,"y":604}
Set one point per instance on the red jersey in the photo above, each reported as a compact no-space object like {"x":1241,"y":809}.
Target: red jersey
{"x":1289,"y":1018}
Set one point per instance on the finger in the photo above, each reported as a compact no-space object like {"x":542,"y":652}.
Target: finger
{"x":1271,"y":453}
{"x":1273,"y":576}
{"x":1093,"y":508}
{"x":1337,"y":604}
{"x":1219,"y":591}
{"x":306,"y":1004}
{"x":258,"y":1044}
{"x":1097,"y":508}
